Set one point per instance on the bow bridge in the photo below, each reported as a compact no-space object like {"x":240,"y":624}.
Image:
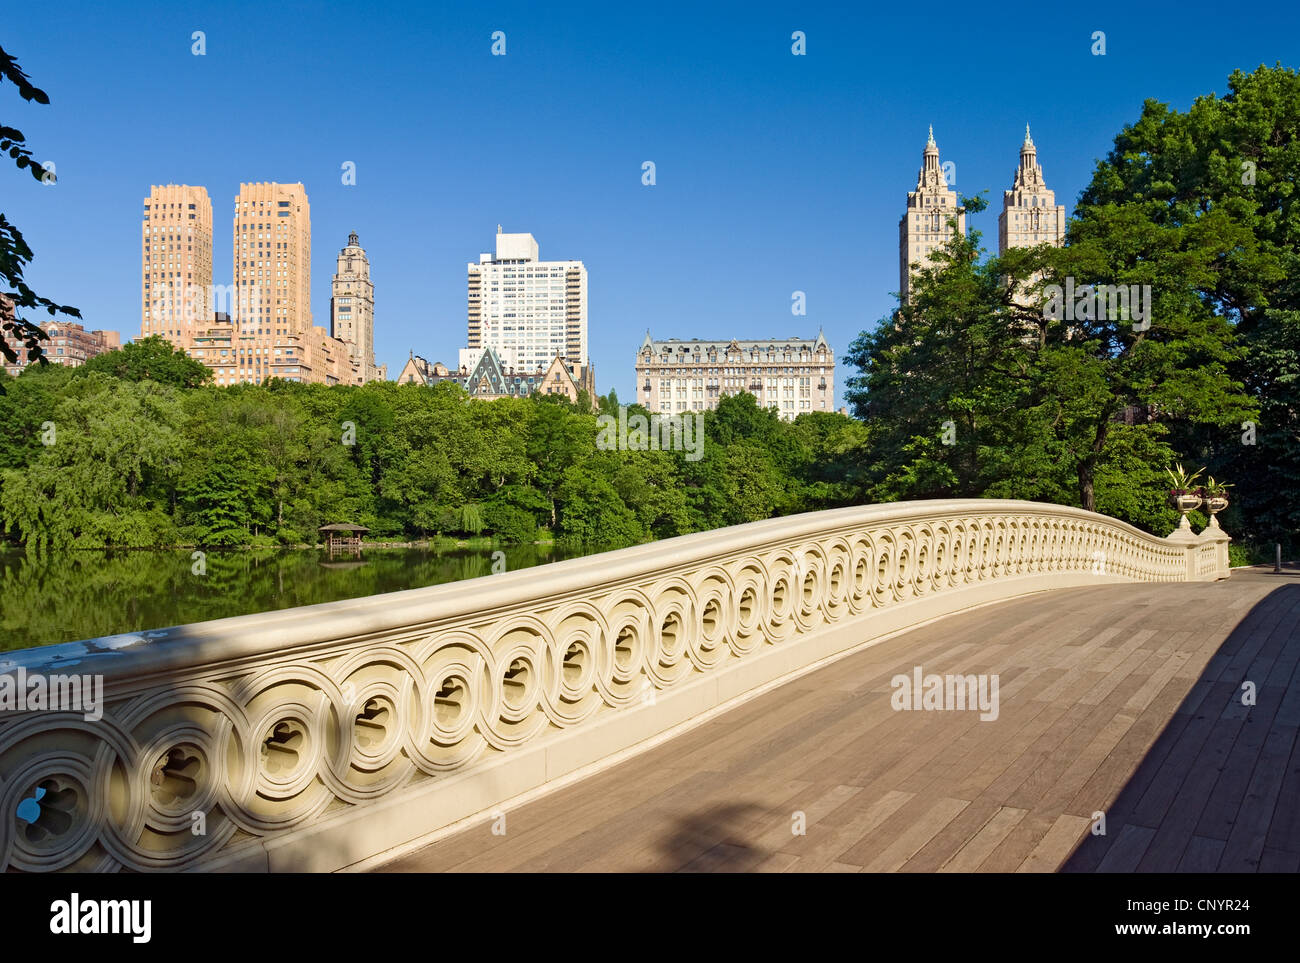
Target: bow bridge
{"x":726,"y":680}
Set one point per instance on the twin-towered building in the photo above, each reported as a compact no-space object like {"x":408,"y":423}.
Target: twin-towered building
{"x":1030,"y":214}
{"x":260,"y":326}
{"x":925,"y":226}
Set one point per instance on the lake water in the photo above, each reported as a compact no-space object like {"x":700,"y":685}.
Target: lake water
{"x":82,"y":595}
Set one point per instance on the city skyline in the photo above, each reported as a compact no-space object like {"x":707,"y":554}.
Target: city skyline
{"x":764,"y":161}
{"x":260,"y":325}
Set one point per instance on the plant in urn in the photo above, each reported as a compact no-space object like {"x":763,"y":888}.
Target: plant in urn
{"x":1184,"y":494}
{"x":1216,"y":498}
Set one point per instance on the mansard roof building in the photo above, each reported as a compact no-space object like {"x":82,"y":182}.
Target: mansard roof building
{"x":490,"y":378}
{"x":792,"y":375}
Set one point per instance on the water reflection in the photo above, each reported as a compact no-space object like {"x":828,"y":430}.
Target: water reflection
{"x":80,"y":595}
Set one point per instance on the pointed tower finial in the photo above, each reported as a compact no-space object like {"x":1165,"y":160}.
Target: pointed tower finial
{"x":930,"y":142}
{"x":1029,"y":141}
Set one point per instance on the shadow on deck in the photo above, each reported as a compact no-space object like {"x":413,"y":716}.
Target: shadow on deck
{"x":1219,"y":791}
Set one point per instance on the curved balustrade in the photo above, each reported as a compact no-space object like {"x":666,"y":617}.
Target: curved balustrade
{"x":316,"y":737}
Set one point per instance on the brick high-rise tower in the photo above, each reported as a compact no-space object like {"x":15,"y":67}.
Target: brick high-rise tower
{"x":176,"y":262}
{"x":272,"y":260}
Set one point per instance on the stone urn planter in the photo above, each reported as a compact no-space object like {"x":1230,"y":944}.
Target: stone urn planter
{"x":1216,"y":499}
{"x":1184,"y":494}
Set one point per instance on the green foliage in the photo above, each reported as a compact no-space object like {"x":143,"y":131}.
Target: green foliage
{"x":15,"y":254}
{"x":1182,"y":479}
{"x":149,"y":359}
{"x":1245,"y":553}
{"x":1222,"y":178}
{"x":114,"y":445}
{"x":146,"y":453}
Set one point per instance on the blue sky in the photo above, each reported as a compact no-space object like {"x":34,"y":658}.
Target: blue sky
{"x":775,"y":173}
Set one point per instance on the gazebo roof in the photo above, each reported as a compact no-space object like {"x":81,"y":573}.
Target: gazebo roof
{"x":343,"y":527}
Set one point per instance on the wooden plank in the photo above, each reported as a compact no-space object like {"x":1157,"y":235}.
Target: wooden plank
{"x":777,"y":863}
{"x":1168,"y":777}
{"x":1121,"y":698}
{"x":1053,"y":848}
{"x":1279,"y":861}
{"x":1127,"y":850}
{"x":916,"y":836}
{"x":972,"y":855}
{"x":1201,"y":855}
{"x":1284,"y":828}
{"x":819,"y":849}
{"x":1245,"y":845}
{"x":1223,"y":802}
{"x":1020,"y":842}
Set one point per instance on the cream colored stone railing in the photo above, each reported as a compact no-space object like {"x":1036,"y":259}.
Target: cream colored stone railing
{"x":323,"y":736}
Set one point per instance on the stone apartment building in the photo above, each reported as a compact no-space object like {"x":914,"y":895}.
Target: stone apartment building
{"x":793,"y":375}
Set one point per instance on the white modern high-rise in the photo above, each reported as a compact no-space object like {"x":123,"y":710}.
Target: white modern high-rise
{"x":528,"y":309}
{"x":925,"y":226}
{"x":1030,"y":214}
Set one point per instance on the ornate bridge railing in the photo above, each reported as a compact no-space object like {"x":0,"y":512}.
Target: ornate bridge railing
{"x":319,"y":737}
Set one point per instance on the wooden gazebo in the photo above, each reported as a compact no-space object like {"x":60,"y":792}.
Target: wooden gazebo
{"x":343,"y":537}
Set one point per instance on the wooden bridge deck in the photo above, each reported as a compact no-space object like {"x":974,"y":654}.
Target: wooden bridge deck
{"x":1124,"y":699}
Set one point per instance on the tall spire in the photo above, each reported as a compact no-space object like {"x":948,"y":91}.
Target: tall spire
{"x":929,"y":162}
{"x":1029,"y":173}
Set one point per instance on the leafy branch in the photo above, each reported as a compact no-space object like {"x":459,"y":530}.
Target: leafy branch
{"x":15,"y":254}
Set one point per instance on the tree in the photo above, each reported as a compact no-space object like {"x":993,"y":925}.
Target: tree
{"x":105,"y":476}
{"x":590,"y":509}
{"x":608,"y":404}
{"x":15,"y":254}
{"x":150,"y":359}
{"x":1230,"y":164}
